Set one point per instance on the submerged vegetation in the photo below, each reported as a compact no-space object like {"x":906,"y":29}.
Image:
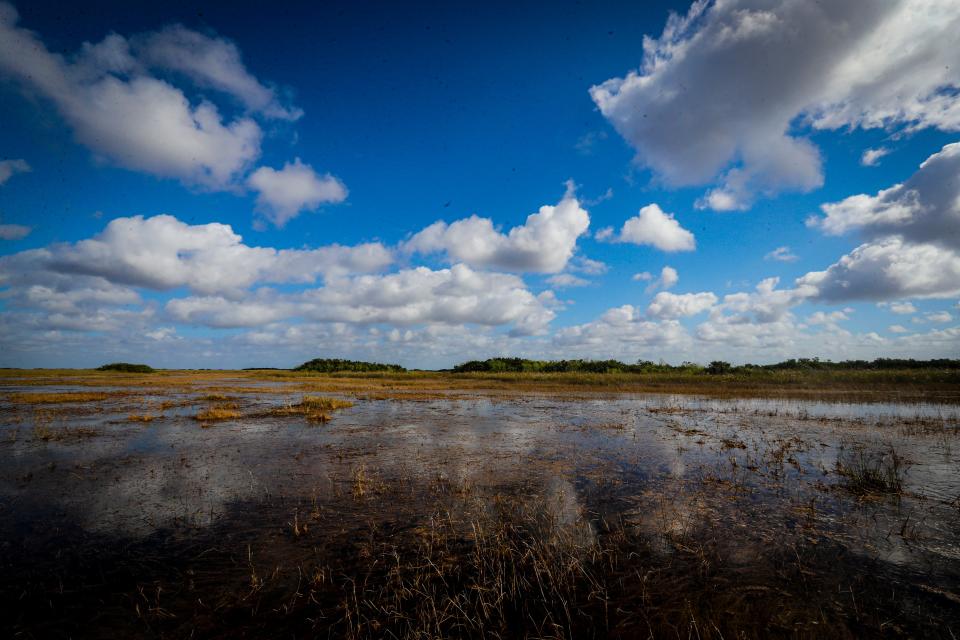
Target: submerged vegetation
{"x":872,"y":472}
{"x":127,"y":367}
{"x":334,"y":365}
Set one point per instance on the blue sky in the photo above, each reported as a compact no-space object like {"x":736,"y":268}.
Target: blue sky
{"x":300,"y":160}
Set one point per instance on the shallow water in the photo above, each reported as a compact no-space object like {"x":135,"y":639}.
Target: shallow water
{"x":749,"y":474}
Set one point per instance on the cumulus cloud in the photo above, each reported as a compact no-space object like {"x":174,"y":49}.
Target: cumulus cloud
{"x":544,"y":244}
{"x":871,"y":157}
{"x":9,"y":168}
{"x":565,"y":280}
{"x":118,"y":107}
{"x":695,"y":116}
{"x":897,"y":328}
{"x":902,"y":308}
{"x":163,"y":253}
{"x":938,"y":316}
{"x":451,"y":296}
{"x":210,"y":62}
{"x":913,"y":237}
{"x":285,"y":193}
{"x":621,"y":328}
{"x":925,"y":208}
{"x":826,"y":317}
{"x":667,"y":279}
{"x":133,"y":119}
{"x":95,"y":285}
{"x":781,"y":254}
{"x":655,"y":228}
{"x":582,"y":264}
{"x":672,"y":305}
{"x":887,"y":269}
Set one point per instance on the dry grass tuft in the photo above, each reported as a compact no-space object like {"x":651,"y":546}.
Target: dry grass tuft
{"x":313,"y":408}
{"x":320,"y":403}
{"x":219,"y":412}
{"x":137,"y":417}
{"x":215,"y":397}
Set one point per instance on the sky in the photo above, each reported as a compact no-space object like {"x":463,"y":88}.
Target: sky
{"x":219,"y":185}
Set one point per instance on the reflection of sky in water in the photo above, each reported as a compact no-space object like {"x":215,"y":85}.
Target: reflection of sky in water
{"x":676,"y":462}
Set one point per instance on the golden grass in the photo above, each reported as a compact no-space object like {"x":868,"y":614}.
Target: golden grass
{"x":313,"y":408}
{"x":56,"y":398}
{"x":215,"y":397}
{"x":893,"y":385}
{"x":219,"y":412}
{"x":137,"y":417}
{"x":319,"y":403}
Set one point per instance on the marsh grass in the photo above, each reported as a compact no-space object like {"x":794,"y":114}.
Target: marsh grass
{"x":217,"y":413}
{"x":145,"y":418}
{"x":215,"y":397}
{"x":878,"y":472}
{"x":854,"y":385}
{"x":517,"y":565}
{"x":57,"y":398}
{"x":44,"y":430}
{"x":313,"y":408}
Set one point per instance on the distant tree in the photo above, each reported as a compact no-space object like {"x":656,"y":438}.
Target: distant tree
{"x":718,"y":367}
{"x":331,"y":365}
{"x":126,"y":367}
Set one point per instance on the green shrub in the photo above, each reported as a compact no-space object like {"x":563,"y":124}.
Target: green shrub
{"x":331,"y":365}
{"x":126,"y":367}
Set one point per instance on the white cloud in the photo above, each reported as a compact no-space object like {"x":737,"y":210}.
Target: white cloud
{"x":133,"y":119}
{"x":163,"y":253}
{"x":925,"y":208}
{"x":14,"y":231}
{"x":871,"y":157}
{"x":136,"y":120}
{"x":620,"y":330}
{"x":162,"y":334}
{"x":695,"y":117}
{"x":9,"y":168}
{"x":565,"y":280}
{"x":222,"y":313}
{"x":544,"y":244}
{"x":656,"y":228}
{"x":643,"y":276}
{"x":210,"y":62}
{"x":913,"y":237}
{"x":766,"y":304}
{"x":886,"y":269}
{"x":453,"y":296}
{"x":781,"y":254}
{"x":897,"y":328}
{"x":586,"y":144}
{"x":668,"y":278}
{"x":902,"y":308}
{"x":938,"y":316}
{"x":284,"y":194}
{"x":826,"y":318}
{"x":671,"y":305}
{"x":582,"y":264}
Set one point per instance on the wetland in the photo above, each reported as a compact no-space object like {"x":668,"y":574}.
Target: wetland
{"x":267,"y":504}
